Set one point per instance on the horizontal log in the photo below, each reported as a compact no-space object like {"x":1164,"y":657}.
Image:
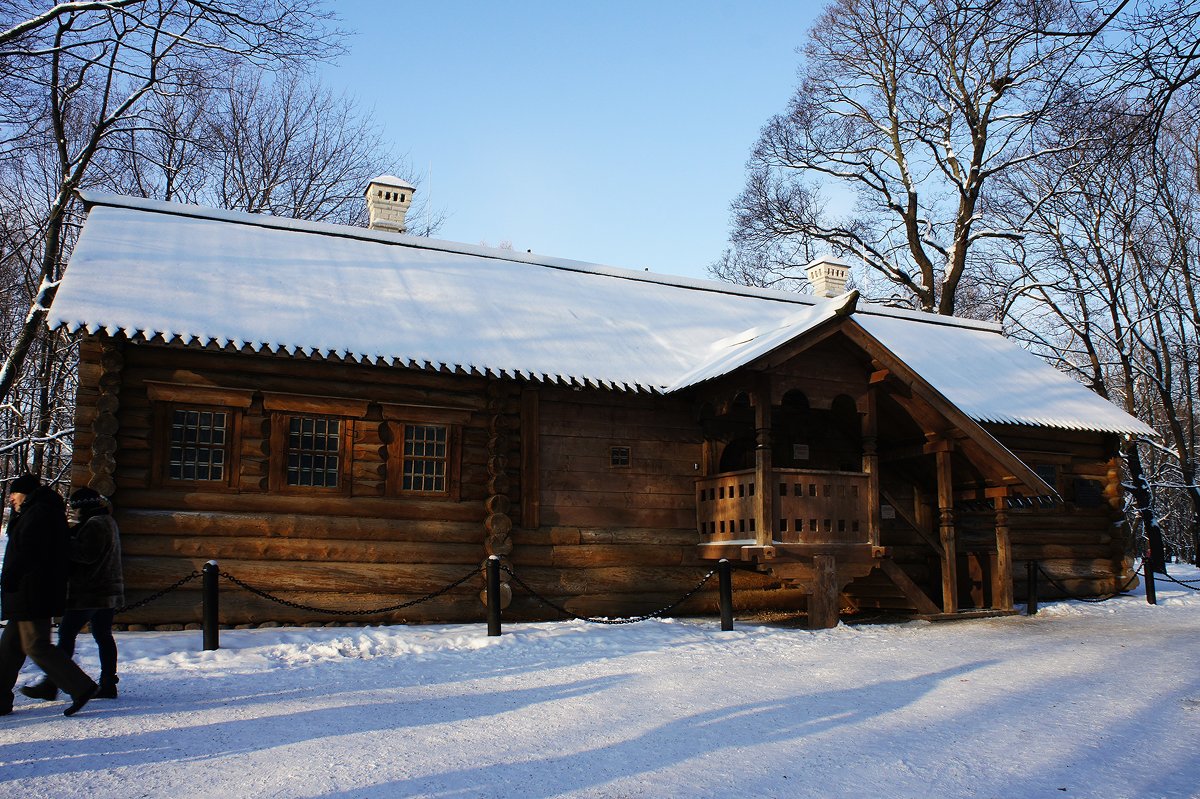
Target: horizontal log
{"x":522,"y":556}
{"x":380,"y":508}
{"x":156,"y":572}
{"x":292,"y":375}
{"x":679,"y":484}
{"x":610,"y":579}
{"x":1056,"y":551}
{"x":548,"y":536}
{"x":599,"y":407}
{"x":644,"y":535}
{"x":567,"y":516}
{"x":589,"y":555}
{"x":1099,"y":569}
{"x":617,"y":499}
{"x":654,"y":464}
{"x":291,"y":525}
{"x":302,"y":549}
{"x":1088,"y":587}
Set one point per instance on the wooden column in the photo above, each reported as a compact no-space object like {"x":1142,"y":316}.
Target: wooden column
{"x":1002,"y":584}
{"x":945,"y":490}
{"x":870,"y":465}
{"x":823,"y":606}
{"x":764,"y":507}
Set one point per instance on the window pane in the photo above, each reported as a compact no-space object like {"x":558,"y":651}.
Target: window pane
{"x":197,"y":449}
{"x":424,"y":467}
{"x":314,"y":446}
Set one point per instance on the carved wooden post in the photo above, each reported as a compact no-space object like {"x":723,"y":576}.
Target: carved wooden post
{"x":103,"y":465}
{"x":946,"y":530}
{"x":823,"y":609}
{"x":497,"y":523}
{"x":764,"y":507}
{"x":1002,"y":583}
{"x":870,"y":465}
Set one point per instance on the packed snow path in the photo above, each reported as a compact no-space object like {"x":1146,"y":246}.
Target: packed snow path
{"x":1081,"y":700}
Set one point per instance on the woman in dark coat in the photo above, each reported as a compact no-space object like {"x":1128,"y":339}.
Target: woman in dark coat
{"x":95,"y":590}
{"x":33,"y":588}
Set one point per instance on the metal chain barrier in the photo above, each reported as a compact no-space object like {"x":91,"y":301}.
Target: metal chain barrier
{"x":159,"y":594}
{"x":603,"y":619}
{"x":474,"y":572}
{"x":1071,"y":595}
{"x":1189,"y":584}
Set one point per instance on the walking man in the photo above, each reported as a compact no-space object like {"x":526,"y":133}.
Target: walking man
{"x":95,"y":591}
{"x":33,"y":588}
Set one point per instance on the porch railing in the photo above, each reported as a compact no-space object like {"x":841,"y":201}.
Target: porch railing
{"x":810,"y":507}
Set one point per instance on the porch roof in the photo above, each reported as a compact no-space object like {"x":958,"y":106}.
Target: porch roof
{"x":183,"y":274}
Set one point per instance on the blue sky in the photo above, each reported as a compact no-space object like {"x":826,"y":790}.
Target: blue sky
{"x":612,"y":132}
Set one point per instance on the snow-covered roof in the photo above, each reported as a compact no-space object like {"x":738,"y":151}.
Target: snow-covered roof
{"x":747,"y":346}
{"x":168,"y":272}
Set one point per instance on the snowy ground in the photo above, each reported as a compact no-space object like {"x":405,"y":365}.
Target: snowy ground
{"x":1081,"y":700}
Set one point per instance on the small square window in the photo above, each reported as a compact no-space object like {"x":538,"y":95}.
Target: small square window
{"x":619,"y":457}
{"x":1048,"y":472}
{"x":197,"y":450}
{"x":425,"y":458}
{"x":314,"y":451}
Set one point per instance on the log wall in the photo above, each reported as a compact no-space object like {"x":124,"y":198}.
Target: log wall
{"x":355,"y":549}
{"x":535,"y":483}
{"x":1082,"y":540}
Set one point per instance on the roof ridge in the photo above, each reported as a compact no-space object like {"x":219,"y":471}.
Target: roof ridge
{"x":190,"y":210}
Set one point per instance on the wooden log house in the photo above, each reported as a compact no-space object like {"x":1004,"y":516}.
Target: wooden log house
{"x":350,"y":418}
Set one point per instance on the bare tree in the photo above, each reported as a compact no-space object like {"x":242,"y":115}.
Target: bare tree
{"x":1106,"y":288}
{"x":74,"y":79}
{"x":914,"y":109}
{"x":276,"y":143}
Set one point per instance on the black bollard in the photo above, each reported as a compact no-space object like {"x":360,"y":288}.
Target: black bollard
{"x":493,"y":595}
{"x":725,"y":573}
{"x":212,"y":632}
{"x":1031,"y":587}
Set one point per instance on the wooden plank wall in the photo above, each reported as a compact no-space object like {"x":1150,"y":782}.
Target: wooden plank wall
{"x":621,"y":540}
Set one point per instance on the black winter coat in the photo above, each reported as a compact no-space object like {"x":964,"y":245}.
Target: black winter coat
{"x":33,"y":584}
{"x":96,"y":578}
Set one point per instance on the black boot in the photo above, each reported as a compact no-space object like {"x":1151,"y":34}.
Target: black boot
{"x":46,"y":689}
{"x":108,"y":686}
{"x":79,"y":700}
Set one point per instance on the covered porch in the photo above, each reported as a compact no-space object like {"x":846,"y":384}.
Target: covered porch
{"x":808,"y":450}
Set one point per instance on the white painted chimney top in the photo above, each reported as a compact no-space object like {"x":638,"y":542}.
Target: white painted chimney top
{"x":388,"y":199}
{"x":827,"y":276}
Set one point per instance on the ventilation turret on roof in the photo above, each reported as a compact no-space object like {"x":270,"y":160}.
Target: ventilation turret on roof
{"x":388,"y":199}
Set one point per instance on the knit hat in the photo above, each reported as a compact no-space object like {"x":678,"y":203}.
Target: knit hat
{"x":25,"y":484}
{"x":86,"y":499}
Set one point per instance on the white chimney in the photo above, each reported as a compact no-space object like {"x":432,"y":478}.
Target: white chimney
{"x":388,"y":198}
{"x":827,"y":276}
